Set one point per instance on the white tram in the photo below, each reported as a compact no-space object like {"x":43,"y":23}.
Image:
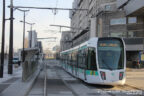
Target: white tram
{"x":97,"y":61}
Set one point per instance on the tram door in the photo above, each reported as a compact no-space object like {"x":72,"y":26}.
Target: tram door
{"x":76,"y":66}
{"x":85,"y":62}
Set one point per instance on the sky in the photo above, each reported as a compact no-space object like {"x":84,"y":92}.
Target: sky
{"x":41,"y":18}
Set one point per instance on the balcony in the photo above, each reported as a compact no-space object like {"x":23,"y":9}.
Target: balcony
{"x":132,"y":10}
{"x":134,"y":44}
{"x":135,"y":27}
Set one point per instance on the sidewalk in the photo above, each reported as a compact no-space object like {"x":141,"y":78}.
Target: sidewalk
{"x":17,"y":87}
{"x":135,"y":78}
{"x":17,"y":72}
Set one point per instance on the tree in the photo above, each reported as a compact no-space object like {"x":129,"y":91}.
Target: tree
{"x":26,"y":44}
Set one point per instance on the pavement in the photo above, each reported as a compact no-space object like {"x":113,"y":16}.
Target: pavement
{"x":12,"y":85}
{"x":79,"y":88}
{"x":61,"y":83}
{"x":55,"y":86}
{"x":38,"y":87}
{"x":19,"y":88}
{"x":135,"y":78}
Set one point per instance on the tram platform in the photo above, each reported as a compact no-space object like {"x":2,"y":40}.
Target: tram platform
{"x":19,"y":88}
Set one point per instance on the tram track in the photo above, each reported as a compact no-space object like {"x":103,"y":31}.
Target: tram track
{"x":58,"y":81}
{"x":74,"y":93}
{"x":45,"y":80}
{"x":125,"y":87}
{"x":56,"y":86}
{"x":124,"y":90}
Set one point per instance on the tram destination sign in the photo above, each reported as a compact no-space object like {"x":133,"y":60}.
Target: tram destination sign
{"x":108,"y":45}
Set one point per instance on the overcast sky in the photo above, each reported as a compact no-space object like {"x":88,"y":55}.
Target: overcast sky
{"x":42,"y":18}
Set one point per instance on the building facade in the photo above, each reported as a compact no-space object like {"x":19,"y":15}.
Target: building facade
{"x":135,"y":27}
{"x":109,"y":18}
{"x":32,"y":38}
{"x":66,"y":42}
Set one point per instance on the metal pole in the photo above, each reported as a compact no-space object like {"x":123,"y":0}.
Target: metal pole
{"x":24,"y":36}
{"x":10,"y":63}
{"x":31,"y":24}
{"x":3,"y":42}
{"x":31,"y":37}
{"x":127,"y":33}
{"x":23,"y":52}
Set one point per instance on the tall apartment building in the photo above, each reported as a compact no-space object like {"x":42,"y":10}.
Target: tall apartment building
{"x":66,"y":42}
{"x":135,"y":27}
{"x":110,"y":18}
{"x":32,"y":37}
{"x":97,"y":21}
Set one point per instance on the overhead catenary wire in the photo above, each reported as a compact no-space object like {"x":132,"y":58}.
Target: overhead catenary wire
{"x":55,"y":11}
{"x":48,"y":8}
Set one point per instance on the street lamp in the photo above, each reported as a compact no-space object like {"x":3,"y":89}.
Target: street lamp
{"x":62,"y":26}
{"x":24,"y":11}
{"x":47,"y":38}
{"x":31,"y":24}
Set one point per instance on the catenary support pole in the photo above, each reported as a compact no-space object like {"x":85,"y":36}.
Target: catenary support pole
{"x":3,"y":42}
{"x":10,"y":62}
{"x":24,"y":36}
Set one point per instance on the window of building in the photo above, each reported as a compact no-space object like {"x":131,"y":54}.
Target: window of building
{"x":120,"y":34}
{"x":118,"y":21}
{"x":130,"y":34}
{"x":132,"y":20}
{"x":107,"y":7}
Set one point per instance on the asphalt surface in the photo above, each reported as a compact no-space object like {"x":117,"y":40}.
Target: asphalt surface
{"x":61,"y":83}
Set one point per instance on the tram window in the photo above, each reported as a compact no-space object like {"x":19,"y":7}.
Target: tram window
{"x":82,"y":58}
{"x":92,"y":59}
{"x":74,"y":57}
{"x":66,"y":58}
{"x":62,"y":58}
{"x":69,"y":58}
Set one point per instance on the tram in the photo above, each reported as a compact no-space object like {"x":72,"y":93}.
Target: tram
{"x":97,"y":61}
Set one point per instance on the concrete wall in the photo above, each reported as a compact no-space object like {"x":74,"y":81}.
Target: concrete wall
{"x":129,"y":7}
{"x":121,"y":3}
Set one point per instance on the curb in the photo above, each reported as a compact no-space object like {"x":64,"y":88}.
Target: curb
{"x":20,"y":88}
{"x":134,"y":87}
{"x":34,"y":77}
{"x":45,"y":80}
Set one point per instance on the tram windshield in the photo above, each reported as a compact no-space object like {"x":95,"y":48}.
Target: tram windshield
{"x":110,"y":54}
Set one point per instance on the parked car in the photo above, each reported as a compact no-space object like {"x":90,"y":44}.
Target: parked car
{"x":16,"y":60}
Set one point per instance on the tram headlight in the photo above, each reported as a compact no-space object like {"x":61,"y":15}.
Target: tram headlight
{"x":103,"y":75}
{"x":121,"y":75}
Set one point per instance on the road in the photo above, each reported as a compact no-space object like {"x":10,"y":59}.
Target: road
{"x":61,"y":83}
